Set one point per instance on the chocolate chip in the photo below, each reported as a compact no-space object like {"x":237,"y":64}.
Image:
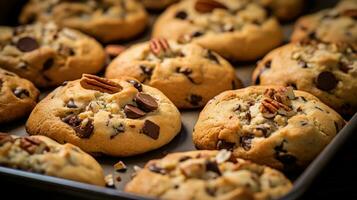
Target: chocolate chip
{"x":4,"y":138}
{"x":194,"y":99}
{"x":221,"y":144}
{"x":267,"y":64}
{"x":263,"y":130}
{"x":326,"y":81}
{"x":212,"y":166}
{"x":21,"y":93}
{"x":246,"y":142}
{"x":293,"y":85}
{"x":344,"y":67}
{"x":186,"y":72}
{"x":303,"y":99}
{"x":133,"y":112}
{"x":212,"y":56}
{"x":248,"y":116}
{"x":118,"y":129}
{"x":184,"y":158}
{"x":157,"y":169}
{"x":197,"y":34}
{"x":181,"y":15}
{"x":147,"y":71}
{"x":145,"y":102}
{"x":151,"y":129}
{"x":75,"y":123}
{"x":136,"y":84}
{"x":303,"y":123}
{"x":48,"y":64}
{"x":66,"y":51}
{"x":71,"y":104}
{"x":27,"y":44}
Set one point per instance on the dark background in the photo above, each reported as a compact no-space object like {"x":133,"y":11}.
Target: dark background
{"x":337,"y":181}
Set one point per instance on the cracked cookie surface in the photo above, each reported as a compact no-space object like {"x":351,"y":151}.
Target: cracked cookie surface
{"x":208,"y":175}
{"x":101,"y":116}
{"x":338,"y":24}
{"x":41,"y":52}
{"x":270,"y":125}
{"x":237,"y":30}
{"x":187,"y":74}
{"x":106,"y":20}
{"x":17,"y":96}
{"x":42,"y":155}
{"x":328,"y":71}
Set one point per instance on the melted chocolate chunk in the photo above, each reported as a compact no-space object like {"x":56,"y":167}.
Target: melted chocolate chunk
{"x":213,"y":167}
{"x":151,"y":129}
{"x":21,"y":93}
{"x":282,"y":155}
{"x":146,"y":102}
{"x":118,"y":129}
{"x":48,"y":64}
{"x":181,"y":15}
{"x":81,"y":131}
{"x":326,"y":81}
{"x":136,"y":84}
{"x":154,"y":168}
{"x":221,"y":144}
{"x":27,"y":44}
{"x":246,"y":142}
{"x":194,"y":99}
{"x":344,"y":67}
{"x":133,"y":112}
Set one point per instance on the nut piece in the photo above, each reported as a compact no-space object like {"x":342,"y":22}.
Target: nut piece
{"x":33,"y":145}
{"x":277,"y":102}
{"x":159,"y":46}
{"x":120,"y":166}
{"x":206,"y":6}
{"x":92,"y":82}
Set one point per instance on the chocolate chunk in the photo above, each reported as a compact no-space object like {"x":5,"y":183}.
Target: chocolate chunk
{"x":213,"y":167}
{"x":221,"y":144}
{"x":246,"y":142}
{"x":136,"y":84}
{"x":118,"y":129}
{"x":267,"y":64}
{"x":48,"y":64}
{"x":263,"y":130}
{"x":21,"y":93}
{"x":181,"y":15}
{"x":76,"y":123}
{"x":326,"y":81}
{"x":27,"y":44}
{"x":157,"y":169}
{"x":71,"y":104}
{"x":194,"y":99}
{"x":293,"y":85}
{"x":133,"y":112}
{"x":184,"y":158}
{"x":303,"y":99}
{"x":151,"y":129}
{"x":344,"y":67}
{"x":212,"y":56}
{"x":248,"y":116}
{"x":187,"y":72}
{"x":197,"y":34}
{"x":4,"y":138}
{"x":145,"y":102}
{"x":66,"y":51}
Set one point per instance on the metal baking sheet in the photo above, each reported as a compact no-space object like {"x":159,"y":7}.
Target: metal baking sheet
{"x":182,"y":142}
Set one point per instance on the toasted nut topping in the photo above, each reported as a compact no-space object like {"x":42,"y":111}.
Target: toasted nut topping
{"x":206,"y":6}
{"x":92,"y":82}
{"x":159,"y":46}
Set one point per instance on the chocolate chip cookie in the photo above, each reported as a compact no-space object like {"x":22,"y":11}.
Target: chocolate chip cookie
{"x":187,"y":74}
{"x":332,"y":25}
{"x":17,"y":96}
{"x":237,"y":30}
{"x":270,"y":125}
{"x":48,"y":55}
{"x":106,"y":20}
{"x":283,"y":9}
{"x":102,"y":116}
{"x":157,"y":4}
{"x":328,"y":71}
{"x":42,"y":155}
{"x":205,"y":175}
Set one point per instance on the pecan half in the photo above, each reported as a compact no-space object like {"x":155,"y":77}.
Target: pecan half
{"x":159,"y":46}
{"x":92,"y":82}
{"x":270,"y":107}
{"x":206,"y":6}
{"x":33,"y":145}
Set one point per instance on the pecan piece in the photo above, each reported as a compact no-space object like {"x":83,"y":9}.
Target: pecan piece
{"x":206,"y":6}
{"x":92,"y":82}
{"x":159,"y":46}
{"x":33,"y":145}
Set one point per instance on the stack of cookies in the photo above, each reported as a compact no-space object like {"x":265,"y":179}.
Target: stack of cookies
{"x":102,"y":97}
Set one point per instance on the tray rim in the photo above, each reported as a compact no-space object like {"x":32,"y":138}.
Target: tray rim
{"x":88,"y":191}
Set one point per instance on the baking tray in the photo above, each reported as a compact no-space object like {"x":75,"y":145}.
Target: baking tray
{"x":182,"y":142}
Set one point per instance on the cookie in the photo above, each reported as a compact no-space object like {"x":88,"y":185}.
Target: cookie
{"x":237,"y":30}
{"x":48,"y":55}
{"x":101,"y":116}
{"x":328,"y":71}
{"x":283,"y":9}
{"x":270,"y":125}
{"x":157,"y":4}
{"x":17,"y":96}
{"x":208,"y":175}
{"x":107,"y":20}
{"x":187,"y":74}
{"x":42,"y":155}
{"x":332,"y":25}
